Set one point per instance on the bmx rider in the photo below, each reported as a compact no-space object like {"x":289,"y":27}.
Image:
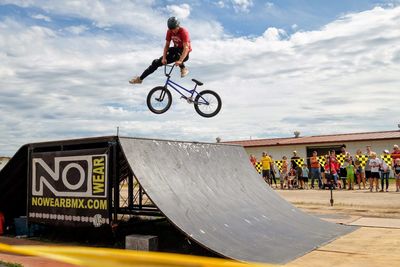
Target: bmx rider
{"x":178,"y":53}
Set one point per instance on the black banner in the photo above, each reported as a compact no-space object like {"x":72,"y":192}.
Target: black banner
{"x":69,"y":188}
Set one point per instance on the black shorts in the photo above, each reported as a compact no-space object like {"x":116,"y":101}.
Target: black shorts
{"x":375,"y":175}
{"x":343,"y":173}
{"x":368,"y":174}
{"x":305,"y":179}
{"x":266,"y":173}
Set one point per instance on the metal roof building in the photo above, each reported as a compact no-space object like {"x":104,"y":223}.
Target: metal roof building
{"x":305,"y":145}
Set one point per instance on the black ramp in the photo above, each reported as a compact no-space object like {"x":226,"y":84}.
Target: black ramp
{"x":213,"y":194}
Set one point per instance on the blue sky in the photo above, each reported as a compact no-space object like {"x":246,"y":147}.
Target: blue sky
{"x":319,"y":67}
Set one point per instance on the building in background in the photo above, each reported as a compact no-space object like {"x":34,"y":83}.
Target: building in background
{"x":3,"y":161}
{"x":279,"y":147}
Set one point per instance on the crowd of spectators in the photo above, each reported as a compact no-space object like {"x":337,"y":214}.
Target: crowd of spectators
{"x":348,"y":173}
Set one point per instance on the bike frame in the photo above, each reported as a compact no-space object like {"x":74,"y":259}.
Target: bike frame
{"x":178,"y":87}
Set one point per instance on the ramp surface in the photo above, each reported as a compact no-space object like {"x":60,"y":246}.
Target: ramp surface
{"x":213,"y":194}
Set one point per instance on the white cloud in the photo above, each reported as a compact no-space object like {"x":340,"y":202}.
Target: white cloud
{"x":77,"y":29}
{"x":66,"y":86}
{"x":269,"y":4}
{"x":41,"y":17}
{"x":220,"y":4}
{"x":242,"y":5}
{"x":138,"y":14}
{"x":180,"y":11}
{"x":274,"y":34}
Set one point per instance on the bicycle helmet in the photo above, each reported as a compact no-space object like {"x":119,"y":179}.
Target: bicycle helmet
{"x":173,"y":23}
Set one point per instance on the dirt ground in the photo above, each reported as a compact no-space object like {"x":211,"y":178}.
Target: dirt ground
{"x":375,"y":243}
{"x":349,"y":202}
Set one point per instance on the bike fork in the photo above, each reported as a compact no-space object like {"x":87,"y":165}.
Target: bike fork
{"x":162,"y":95}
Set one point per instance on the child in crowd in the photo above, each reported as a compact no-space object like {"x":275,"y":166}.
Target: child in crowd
{"x":396,"y":170}
{"x":350,"y":174}
{"x":253,"y":159}
{"x":291,"y":178}
{"x":283,"y":176}
{"x":374,"y":164}
{"x":304,"y":177}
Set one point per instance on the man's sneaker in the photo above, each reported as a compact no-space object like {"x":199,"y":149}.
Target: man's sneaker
{"x":184,"y":72}
{"x":135,"y":80}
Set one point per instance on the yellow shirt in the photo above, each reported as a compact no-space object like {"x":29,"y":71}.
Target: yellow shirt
{"x":266,"y":162}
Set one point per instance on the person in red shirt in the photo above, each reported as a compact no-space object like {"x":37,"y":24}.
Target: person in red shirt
{"x":178,"y":53}
{"x":253,"y":160}
{"x":395,"y":154}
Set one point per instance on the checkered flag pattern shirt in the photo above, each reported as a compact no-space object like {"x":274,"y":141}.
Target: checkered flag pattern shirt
{"x":258,"y":167}
{"x":299,"y":162}
{"x":387,"y":158}
{"x":340,"y":158}
{"x":322,"y":160}
{"x":278,"y":164}
{"x":362,"y":159}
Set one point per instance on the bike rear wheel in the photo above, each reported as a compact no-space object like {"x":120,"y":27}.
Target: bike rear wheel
{"x":159,"y":100}
{"x":207,"y":103}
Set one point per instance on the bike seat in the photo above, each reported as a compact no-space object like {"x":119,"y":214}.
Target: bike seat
{"x":197,"y":82}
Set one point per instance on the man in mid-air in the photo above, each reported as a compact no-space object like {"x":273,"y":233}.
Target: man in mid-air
{"x":178,"y":53}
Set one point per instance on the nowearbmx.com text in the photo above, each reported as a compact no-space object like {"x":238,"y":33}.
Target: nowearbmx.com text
{"x":70,"y":203}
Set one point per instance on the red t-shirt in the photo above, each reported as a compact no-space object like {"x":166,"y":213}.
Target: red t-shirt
{"x":395,"y":155}
{"x":253,"y":160}
{"x":314,"y":162}
{"x":182,"y":36}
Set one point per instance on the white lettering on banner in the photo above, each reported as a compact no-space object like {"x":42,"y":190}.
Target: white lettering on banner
{"x":52,"y":177}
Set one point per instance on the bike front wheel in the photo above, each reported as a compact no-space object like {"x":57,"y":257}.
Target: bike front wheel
{"x":207,"y":103}
{"x":159,"y":100}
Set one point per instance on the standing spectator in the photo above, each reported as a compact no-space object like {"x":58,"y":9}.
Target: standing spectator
{"x":273,"y":172}
{"x":334,"y":168}
{"x":368,"y":167}
{"x":342,"y":171}
{"x":315,"y":170}
{"x":304,"y":176}
{"x":295,"y":167}
{"x":266,"y":167}
{"x":331,"y":171}
{"x":395,"y":154}
{"x":385,"y":170}
{"x":362,"y":176}
{"x":284,"y":172}
{"x":359,"y":172}
{"x":375,"y":164}
{"x":253,"y":160}
{"x":350,"y":173}
{"x":396,"y":170}
{"x":323,"y":177}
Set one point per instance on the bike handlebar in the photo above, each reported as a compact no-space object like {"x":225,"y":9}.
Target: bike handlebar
{"x":171,"y":66}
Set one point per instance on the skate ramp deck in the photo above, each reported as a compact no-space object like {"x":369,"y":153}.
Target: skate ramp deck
{"x":213,"y":194}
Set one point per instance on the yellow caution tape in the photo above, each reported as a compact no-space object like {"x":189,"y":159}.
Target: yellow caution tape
{"x":105,"y":257}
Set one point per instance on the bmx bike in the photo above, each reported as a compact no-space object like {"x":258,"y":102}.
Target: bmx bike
{"x":207,"y":103}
